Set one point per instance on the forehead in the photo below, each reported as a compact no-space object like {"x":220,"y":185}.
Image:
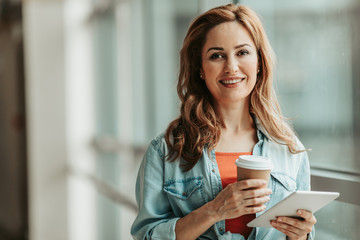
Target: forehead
{"x":228,"y":35}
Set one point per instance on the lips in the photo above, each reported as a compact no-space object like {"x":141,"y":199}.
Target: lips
{"x":230,"y":81}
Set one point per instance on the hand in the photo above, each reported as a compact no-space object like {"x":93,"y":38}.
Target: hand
{"x":240,"y":198}
{"x":295,"y":229}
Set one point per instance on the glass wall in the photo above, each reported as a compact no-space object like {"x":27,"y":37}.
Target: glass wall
{"x":317,"y":80}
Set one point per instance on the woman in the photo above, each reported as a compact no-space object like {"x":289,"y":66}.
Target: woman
{"x":186,"y":187}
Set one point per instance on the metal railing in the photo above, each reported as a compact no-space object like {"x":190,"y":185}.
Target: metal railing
{"x":105,"y":189}
{"x":346,"y":183}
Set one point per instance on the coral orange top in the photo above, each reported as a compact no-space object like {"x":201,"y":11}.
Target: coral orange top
{"x":228,"y":174}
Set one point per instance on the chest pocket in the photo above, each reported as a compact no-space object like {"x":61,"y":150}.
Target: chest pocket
{"x":186,"y":194}
{"x":281,"y":185}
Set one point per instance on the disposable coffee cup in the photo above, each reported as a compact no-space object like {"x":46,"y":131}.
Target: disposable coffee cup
{"x":253,"y":167}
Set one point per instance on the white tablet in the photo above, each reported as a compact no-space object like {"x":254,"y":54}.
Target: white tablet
{"x":307,"y":200}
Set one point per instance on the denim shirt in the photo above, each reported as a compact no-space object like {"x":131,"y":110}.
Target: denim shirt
{"x":165,"y":193}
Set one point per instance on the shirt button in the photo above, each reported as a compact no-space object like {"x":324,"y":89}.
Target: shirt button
{"x":184,"y":194}
{"x":213,"y":170}
{"x":221,"y":229}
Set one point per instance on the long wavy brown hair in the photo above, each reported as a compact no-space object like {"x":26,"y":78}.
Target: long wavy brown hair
{"x":198,"y":126}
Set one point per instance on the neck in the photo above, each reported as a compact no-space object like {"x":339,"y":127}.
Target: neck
{"x":235,"y":117}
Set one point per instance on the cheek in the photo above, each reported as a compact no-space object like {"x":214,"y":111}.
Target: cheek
{"x":253,"y":65}
{"x":209,"y":73}
{"x":251,"y":70}
{"x":211,"y":69}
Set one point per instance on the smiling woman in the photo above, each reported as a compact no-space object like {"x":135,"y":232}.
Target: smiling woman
{"x":228,"y":108}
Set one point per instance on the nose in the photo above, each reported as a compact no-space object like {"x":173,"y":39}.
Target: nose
{"x":231,"y":66}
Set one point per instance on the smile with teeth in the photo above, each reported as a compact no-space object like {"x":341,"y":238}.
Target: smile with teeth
{"x":232,"y":81}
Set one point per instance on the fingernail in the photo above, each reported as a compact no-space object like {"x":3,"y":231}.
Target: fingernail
{"x":300,"y":212}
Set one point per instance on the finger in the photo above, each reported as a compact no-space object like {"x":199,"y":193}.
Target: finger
{"x":292,"y":222}
{"x":286,"y":229}
{"x":295,"y":225}
{"x":256,"y":201}
{"x":254,"y":209}
{"x":251,"y":183}
{"x":308,"y":216}
{"x":254,"y":193}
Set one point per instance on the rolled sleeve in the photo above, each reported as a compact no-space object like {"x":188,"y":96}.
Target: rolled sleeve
{"x":155,"y":219}
{"x":165,"y":231}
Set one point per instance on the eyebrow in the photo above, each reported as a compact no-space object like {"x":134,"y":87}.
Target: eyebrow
{"x":222,"y":49}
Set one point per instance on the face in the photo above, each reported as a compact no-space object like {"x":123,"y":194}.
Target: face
{"x":229,"y":63}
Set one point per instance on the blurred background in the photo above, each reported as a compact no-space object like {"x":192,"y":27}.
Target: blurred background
{"x":86,"y":84}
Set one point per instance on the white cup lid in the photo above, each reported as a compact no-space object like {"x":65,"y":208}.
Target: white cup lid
{"x":254,"y":162}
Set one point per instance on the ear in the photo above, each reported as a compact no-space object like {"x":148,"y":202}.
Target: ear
{"x":202,"y":74}
{"x":258,"y":69}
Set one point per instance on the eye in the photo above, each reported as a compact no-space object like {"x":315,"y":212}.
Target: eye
{"x":216,"y":56}
{"x":243,"y":52}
